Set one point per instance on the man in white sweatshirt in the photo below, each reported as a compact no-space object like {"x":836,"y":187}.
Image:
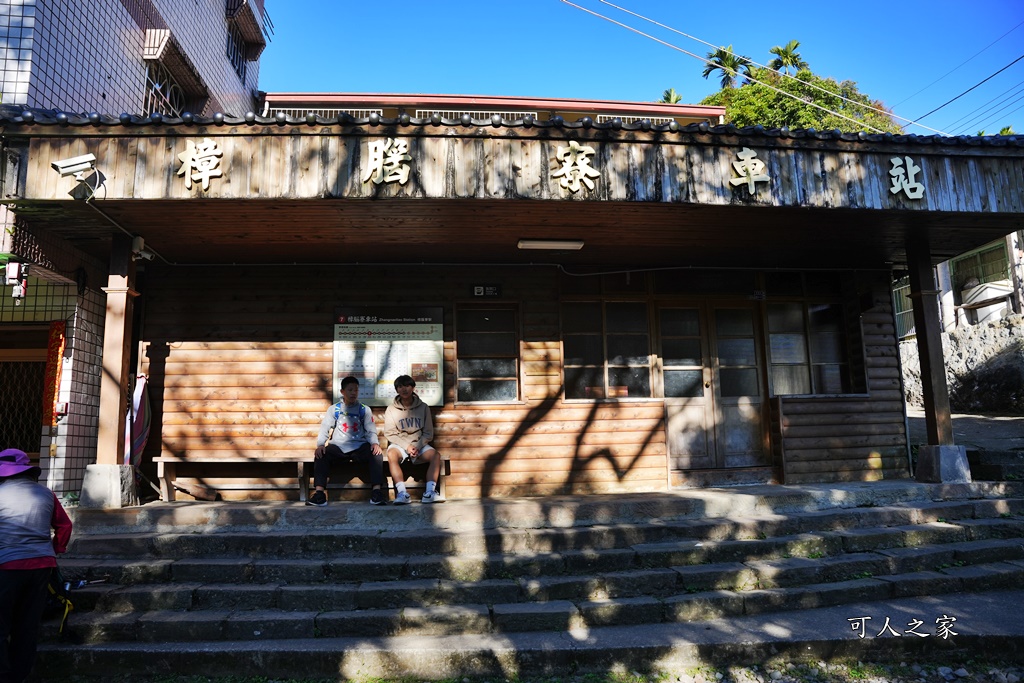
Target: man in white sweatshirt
{"x":409,"y":428}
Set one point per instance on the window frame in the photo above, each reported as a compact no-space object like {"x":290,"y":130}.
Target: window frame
{"x":652,"y":365}
{"x":517,"y":358}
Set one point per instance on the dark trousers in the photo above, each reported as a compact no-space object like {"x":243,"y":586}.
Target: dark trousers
{"x":363,"y":454}
{"x":22,"y":601}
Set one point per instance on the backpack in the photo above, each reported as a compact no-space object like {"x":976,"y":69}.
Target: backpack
{"x":337,"y":414}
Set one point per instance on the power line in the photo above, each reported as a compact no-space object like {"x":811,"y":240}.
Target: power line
{"x":986,"y":116}
{"x":1002,"y":97}
{"x":708,"y":61}
{"x":959,"y":65}
{"x":972,"y":88}
{"x":785,"y":75}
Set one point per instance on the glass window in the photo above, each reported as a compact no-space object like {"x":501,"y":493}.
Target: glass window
{"x":487,"y":350}
{"x":807,"y":349}
{"x":606,"y":350}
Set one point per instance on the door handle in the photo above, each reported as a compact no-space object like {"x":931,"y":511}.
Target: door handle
{"x":707,"y":385}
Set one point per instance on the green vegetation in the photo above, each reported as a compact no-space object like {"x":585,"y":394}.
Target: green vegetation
{"x":771,"y":97}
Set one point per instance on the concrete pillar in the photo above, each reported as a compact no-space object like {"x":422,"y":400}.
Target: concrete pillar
{"x":110,"y":483}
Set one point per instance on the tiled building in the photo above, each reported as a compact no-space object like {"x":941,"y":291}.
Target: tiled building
{"x":108,"y":56}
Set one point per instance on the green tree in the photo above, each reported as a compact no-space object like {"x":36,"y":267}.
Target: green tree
{"x":729,"y":63}
{"x":1006,"y":130}
{"x":786,"y":57}
{"x":758,"y":104}
{"x":670,"y":96}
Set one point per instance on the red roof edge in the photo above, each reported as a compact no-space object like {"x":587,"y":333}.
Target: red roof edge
{"x":362,"y":100}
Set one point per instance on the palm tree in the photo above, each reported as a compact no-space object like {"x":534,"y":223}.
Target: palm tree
{"x":728,"y":62}
{"x":787,"y":57}
{"x":670,"y":96}
{"x":1008,"y":130}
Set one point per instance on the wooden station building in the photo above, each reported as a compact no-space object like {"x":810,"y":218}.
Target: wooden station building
{"x":623,"y":296}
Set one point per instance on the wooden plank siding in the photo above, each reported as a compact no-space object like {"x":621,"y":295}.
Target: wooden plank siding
{"x":244,"y":370}
{"x":850,"y":438}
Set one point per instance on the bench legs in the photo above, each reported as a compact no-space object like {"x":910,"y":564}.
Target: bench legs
{"x":166,"y":472}
{"x":305,"y":474}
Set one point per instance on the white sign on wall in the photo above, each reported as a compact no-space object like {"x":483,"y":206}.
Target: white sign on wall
{"x":377,"y":344}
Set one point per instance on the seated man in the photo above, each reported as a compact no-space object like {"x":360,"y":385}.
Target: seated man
{"x":409,"y":428}
{"x":354,"y":439}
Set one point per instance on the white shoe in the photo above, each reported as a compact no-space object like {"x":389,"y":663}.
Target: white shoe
{"x":429,"y":496}
{"x":402,"y":498}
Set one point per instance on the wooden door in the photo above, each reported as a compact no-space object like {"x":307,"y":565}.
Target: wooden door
{"x":713,"y":385}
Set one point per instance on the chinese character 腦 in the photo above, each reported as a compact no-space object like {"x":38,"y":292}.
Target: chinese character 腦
{"x":575,"y":167}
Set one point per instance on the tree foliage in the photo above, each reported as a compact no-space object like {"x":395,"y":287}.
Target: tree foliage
{"x":670,"y":96}
{"x":729,"y":63}
{"x":787,"y":57}
{"x":758,"y":104}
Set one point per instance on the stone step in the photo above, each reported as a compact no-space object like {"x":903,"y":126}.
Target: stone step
{"x":655,"y":582}
{"x":288,"y":544}
{"x":247,"y":619}
{"x":905,"y":547}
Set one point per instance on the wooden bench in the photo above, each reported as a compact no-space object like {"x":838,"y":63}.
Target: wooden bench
{"x":167,"y":469}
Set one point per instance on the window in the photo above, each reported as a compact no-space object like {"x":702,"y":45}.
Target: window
{"x":606,"y":350}
{"x":807,"y":349}
{"x":163,"y":94}
{"x":487,"y":348}
{"x":988,"y":264}
{"x":236,"y":50}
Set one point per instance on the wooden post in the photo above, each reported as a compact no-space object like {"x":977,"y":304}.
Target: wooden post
{"x":117,"y":330}
{"x":938,"y":420}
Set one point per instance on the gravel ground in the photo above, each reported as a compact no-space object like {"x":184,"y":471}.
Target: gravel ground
{"x":820,"y":672}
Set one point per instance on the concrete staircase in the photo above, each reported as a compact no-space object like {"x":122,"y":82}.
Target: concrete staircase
{"x":996,"y":465}
{"x":507,"y":587}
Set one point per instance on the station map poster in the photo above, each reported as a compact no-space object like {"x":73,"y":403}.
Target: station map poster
{"x":376,"y":344}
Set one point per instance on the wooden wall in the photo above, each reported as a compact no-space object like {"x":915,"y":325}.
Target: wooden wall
{"x":240,"y":364}
{"x":857,"y":438}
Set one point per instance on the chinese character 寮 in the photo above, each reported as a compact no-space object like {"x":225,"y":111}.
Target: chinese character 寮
{"x":575,"y":167}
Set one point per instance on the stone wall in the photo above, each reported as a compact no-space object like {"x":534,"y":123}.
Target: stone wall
{"x":984,"y":367}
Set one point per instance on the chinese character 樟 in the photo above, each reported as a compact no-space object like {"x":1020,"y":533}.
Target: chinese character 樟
{"x":889,"y":628}
{"x":858,"y":624}
{"x":387,"y":161}
{"x":903,"y":177}
{"x":200,"y":162}
{"x":914,"y":624}
{"x":945,"y":627}
{"x":575,"y":167}
{"x":750,"y":170}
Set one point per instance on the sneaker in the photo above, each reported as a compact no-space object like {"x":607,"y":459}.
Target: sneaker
{"x":319,"y":499}
{"x":402,"y":498}
{"x":377,"y":498}
{"x":429,"y":496}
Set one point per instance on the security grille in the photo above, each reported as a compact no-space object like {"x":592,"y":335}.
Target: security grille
{"x":325,"y":113}
{"x":21,"y":404}
{"x":655,"y":120}
{"x":163,"y":94}
{"x":45,"y":301}
{"x":903,"y":307}
{"x":475,"y":115}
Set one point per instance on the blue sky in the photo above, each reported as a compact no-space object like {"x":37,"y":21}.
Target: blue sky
{"x":546,"y":48}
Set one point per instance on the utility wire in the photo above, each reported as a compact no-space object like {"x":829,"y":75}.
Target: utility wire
{"x":972,"y":88}
{"x":708,"y":61}
{"x":989,"y":115}
{"x":781,"y":73}
{"x":959,"y":65}
{"x":981,"y":110}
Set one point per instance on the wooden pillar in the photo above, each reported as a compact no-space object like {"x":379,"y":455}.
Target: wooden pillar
{"x":925,"y":297}
{"x":117,"y":340}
